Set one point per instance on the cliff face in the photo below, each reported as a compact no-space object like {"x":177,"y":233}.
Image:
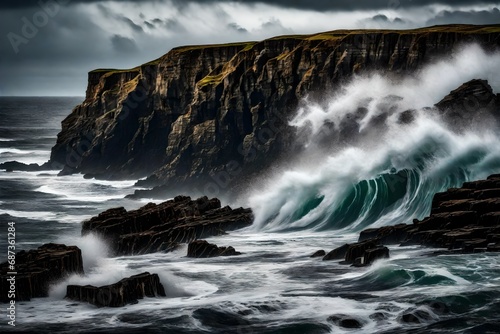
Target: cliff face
{"x":220,"y":112}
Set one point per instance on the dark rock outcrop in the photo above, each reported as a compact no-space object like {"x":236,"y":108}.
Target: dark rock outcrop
{"x":202,"y":113}
{"x":202,"y":249}
{"x":337,"y":253}
{"x":472,"y":103}
{"x":359,"y":254}
{"x":319,"y":253}
{"x":37,"y":269}
{"x":162,"y":227}
{"x":127,"y":291}
{"x":463,"y":220}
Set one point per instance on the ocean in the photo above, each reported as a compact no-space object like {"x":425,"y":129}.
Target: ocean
{"x":321,"y":200}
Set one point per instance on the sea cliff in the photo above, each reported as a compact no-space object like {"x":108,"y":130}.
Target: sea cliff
{"x":220,"y":112}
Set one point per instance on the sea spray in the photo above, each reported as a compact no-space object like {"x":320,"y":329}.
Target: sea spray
{"x":385,"y":169}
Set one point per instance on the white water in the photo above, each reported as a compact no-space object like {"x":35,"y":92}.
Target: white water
{"x":439,"y":157}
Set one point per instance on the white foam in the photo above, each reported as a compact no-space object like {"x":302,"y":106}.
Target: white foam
{"x":332,"y":174}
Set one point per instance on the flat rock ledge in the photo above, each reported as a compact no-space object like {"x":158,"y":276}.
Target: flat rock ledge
{"x":160,"y":228}
{"x":127,"y":291}
{"x":462,"y":221}
{"x":203,"y":249}
{"x":37,"y":269}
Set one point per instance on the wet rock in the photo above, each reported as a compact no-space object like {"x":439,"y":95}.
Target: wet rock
{"x":462,"y":220}
{"x":37,"y":269}
{"x":373,"y":254}
{"x":474,"y":100}
{"x":127,"y":291}
{"x":359,"y":254}
{"x":319,"y":253}
{"x":357,"y":250}
{"x":160,"y":228}
{"x":337,"y":253}
{"x":203,"y":249}
{"x":386,"y":235}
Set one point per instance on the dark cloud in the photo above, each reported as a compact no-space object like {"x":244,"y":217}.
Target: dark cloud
{"x":384,"y":20}
{"x":123,"y":44}
{"x":173,"y":25}
{"x":149,"y":25}
{"x":381,"y":18}
{"x":236,"y":27}
{"x":108,"y":13}
{"x":302,"y":4}
{"x":467,"y":17}
{"x":135,"y":27}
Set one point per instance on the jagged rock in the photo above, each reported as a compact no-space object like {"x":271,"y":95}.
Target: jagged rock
{"x":11,"y":166}
{"x":463,"y":220}
{"x":474,"y":100}
{"x":386,"y":235}
{"x":201,"y":249}
{"x":359,"y":254}
{"x":337,"y":253}
{"x":162,"y":227}
{"x":373,"y":254}
{"x":126,"y":291}
{"x":200,"y":113}
{"x":319,"y":253}
{"x":37,"y":269}
{"x":357,"y":250}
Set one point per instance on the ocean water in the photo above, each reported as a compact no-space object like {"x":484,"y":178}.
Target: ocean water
{"x":320,"y":200}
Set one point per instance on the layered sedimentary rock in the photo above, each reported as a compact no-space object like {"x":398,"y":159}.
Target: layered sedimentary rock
{"x":217,"y":114}
{"x":202,"y":248}
{"x":462,"y":220}
{"x":162,"y":227}
{"x":127,"y":291}
{"x":37,"y":269}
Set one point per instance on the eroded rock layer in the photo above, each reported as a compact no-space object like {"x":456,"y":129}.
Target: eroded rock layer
{"x":162,"y":227}
{"x":37,"y":269}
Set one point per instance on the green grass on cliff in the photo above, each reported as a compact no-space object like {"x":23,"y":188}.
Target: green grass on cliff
{"x":211,"y":80}
{"x":245,"y":46}
{"x":324,"y":36}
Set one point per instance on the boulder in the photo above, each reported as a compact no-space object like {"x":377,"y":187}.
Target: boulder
{"x":319,"y":253}
{"x":203,"y":249}
{"x":127,"y":291}
{"x":37,"y":269}
{"x":337,"y":254}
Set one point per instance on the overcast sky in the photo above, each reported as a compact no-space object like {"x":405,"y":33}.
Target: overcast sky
{"x":48,"y":46}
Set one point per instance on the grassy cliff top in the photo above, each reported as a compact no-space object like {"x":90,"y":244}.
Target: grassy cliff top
{"x":328,"y":35}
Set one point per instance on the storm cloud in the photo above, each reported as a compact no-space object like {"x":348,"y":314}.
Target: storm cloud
{"x":49,"y":46}
{"x":319,"y":5}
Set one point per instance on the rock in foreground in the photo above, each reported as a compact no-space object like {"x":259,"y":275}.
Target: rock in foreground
{"x":126,"y":291}
{"x":162,"y":227}
{"x":37,"y":269}
{"x":201,"y":249}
